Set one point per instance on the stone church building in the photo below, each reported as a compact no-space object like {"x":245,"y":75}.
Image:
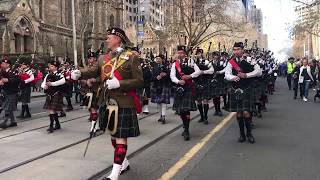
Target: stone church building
{"x":43,"y":28}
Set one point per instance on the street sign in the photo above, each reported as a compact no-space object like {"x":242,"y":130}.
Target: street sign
{"x":140,"y":32}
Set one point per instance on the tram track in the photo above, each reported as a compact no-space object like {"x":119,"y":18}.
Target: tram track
{"x":55,"y":150}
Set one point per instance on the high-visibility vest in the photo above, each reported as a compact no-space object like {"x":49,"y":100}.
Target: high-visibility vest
{"x":290,"y":67}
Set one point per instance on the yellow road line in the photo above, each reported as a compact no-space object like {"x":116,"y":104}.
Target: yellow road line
{"x":195,"y":149}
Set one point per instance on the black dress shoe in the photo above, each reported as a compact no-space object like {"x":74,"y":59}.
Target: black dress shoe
{"x":183,"y":133}
{"x":69,"y":108}
{"x":57,"y":127}
{"x":201,"y":120}
{"x":220,"y":113}
{"x":3,"y":125}
{"x":13,"y":124}
{"x":242,"y":139}
{"x":27,"y":116}
{"x":186,"y":136}
{"x":216,"y":113}
{"x":251,"y":139}
{"x":50,"y":130}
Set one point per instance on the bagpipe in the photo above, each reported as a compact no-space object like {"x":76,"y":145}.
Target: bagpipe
{"x":183,"y":68}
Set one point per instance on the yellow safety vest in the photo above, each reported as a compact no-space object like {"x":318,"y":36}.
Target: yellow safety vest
{"x":290,"y":67}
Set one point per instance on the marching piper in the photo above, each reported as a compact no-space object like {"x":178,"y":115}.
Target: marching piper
{"x":9,"y":83}
{"x":241,"y":74}
{"x":26,"y":76}
{"x":182,"y":73}
{"x":160,"y":91}
{"x":53,"y":85}
{"x":121,"y":74}
{"x":203,"y":85}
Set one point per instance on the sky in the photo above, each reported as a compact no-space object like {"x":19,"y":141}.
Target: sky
{"x":278,"y":16}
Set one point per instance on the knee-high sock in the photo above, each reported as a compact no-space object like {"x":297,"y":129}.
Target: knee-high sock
{"x":247,"y":122}
{"x":200,"y":108}
{"x":11,"y":115}
{"x":216,"y":102}
{"x":120,"y":153}
{"x":163,"y":109}
{"x":69,"y":101}
{"x":185,"y":120}
{"x":225,"y":100}
{"x":206,"y":108}
{"x":241,"y":125}
{"x":52,"y":118}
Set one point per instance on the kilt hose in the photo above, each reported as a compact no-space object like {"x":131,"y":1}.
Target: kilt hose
{"x":185,"y":103}
{"x":160,"y":95}
{"x":10,"y":102}
{"x":54,"y":102}
{"x":128,"y":125}
{"x":25,"y":95}
{"x":247,"y":102}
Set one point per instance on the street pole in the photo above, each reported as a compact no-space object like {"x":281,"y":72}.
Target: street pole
{"x":75,"y":58}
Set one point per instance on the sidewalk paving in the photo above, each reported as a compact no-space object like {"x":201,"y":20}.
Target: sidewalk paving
{"x":70,"y":163}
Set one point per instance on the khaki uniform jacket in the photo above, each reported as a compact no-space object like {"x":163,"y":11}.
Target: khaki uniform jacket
{"x":131,"y":73}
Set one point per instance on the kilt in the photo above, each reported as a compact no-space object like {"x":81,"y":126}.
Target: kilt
{"x":222,"y":87}
{"x":25,"y":95}
{"x":246,"y":104}
{"x":184,"y":103}
{"x":204,"y":93}
{"x":259,"y":90}
{"x":54,"y":102}
{"x":10,"y":102}
{"x":160,"y":95}
{"x":68,"y":90}
{"x":128,"y":125}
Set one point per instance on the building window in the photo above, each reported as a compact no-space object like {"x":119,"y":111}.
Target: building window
{"x":130,"y":17}
{"x":111,"y":20}
{"x":40,"y":10}
{"x":130,"y":9}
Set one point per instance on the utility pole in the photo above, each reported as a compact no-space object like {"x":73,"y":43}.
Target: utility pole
{"x":75,"y":55}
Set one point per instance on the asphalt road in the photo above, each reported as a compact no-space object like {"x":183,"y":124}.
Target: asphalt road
{"x":287,"y":147}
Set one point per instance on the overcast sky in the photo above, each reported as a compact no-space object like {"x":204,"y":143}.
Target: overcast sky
{"x":278,"y":16}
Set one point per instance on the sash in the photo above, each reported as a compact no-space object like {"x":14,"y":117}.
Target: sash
{"x":178,"y":67}
{"x":132,"y":93}
{"x":188,"y":82}
{"x":235,"y":66}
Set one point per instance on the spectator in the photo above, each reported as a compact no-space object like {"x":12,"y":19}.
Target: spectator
{"x":305,"y":78}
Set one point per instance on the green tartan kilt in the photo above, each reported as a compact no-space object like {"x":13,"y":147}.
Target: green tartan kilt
{"x":259,"y":90}
{"x":128,"y":125}
{"x":246,"y":104}
{"x":184,"y":103}
{"x":25,"y":95}
{"x":204,"y":93}
{"x":222,"y":87}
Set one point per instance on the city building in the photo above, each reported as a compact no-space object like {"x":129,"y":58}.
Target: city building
{"x":44,"y":28}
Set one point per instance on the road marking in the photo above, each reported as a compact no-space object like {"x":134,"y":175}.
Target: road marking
{"x":195,"y":149}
